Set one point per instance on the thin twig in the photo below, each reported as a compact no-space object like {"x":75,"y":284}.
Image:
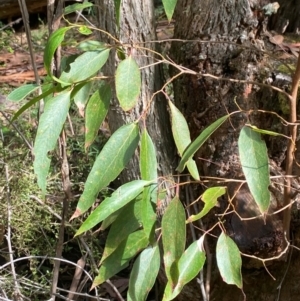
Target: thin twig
{"x":17,"y":291}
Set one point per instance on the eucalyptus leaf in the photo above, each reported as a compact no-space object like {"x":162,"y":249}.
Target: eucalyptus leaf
{"x":122,"y":196}
{"x":128,"y":83}
{"x":229,"y":260}
{"x":51,"y":123}
{"x":255,"y":164}
{"x":21,"y":92}
{"x":113,"y":158}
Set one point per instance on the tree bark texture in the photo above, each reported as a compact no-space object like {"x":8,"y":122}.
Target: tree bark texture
{"x":226,"y":39}
{"x":287,"y":18}
{"x":136,"y":30}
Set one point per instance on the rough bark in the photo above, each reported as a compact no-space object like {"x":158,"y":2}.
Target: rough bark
{"x":136,"y":29}
{"x":287,"y":19}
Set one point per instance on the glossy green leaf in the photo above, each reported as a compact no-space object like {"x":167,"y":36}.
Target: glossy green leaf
{"x":119,"y":259}
{"x":53,"y":43}
{"x":182,"y":138}
{"x":229,"y":260}
{"x":210,"y":199}
{"x":169,"y":6}
{"x":77,"y":6}
{"x":128,"y":83}
{"x":143,"y":274}
{"x":200,"y":140}
{"x":91,"y":45}
{"x":82,"y":96}
{"x":118,"y":11}
{"x":122,"y":196}
{"x":85,"y":66}
{"x":51,"y":123}
{"x":21,"y":92}
{"x":255,"y":164}
{"x":127,"y":222}
{"x":95,"y":112}
{"x":148,"y":167}
{"x":32,"y":102}
{"x":173,"y":238}
{"x":110,"y":162}
{"x":189,"y":265}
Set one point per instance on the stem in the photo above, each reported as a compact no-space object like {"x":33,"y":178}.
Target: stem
{"x":290,"y":151}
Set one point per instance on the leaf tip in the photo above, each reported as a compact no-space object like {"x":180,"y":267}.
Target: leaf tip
{"x":76,"y":214}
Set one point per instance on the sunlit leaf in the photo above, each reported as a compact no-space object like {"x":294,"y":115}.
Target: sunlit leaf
{"x":110,"y":162}
{"x":127,"y":222}
{"x":21,"y":92}
{"x":85,"y":66}
{"x":54,"y":41}
{"x":128,"y":83}
{"x":200,"y":140}
{"x":95,"y":112}
{"x":50,"y":125}
{"x":148,"y":167}
{"x":32,"y":102}
{"x":77,"y":6}
{"x":82,"y":96}
{"x":143,"y":274}
{"x":255,"y":164}
{"x":84,"y":30}
{"x":173,"y":237}
{"x":229,"y":260}
{"x":182,"y":138}
{"x":189,"y":265}
{"x":120,"y":258}
{"x":169,"y":6}
{"x":91,"y":45}
{"x":122,"y":196}
{"x":210,"y":199}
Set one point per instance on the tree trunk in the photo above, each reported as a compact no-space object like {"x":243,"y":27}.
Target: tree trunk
{"x":287,"y":19}
{"x":136,"y":29}
{"x":230,"y":36}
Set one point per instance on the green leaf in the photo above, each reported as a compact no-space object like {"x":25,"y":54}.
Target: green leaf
{"x":85,"y":30}
{"x":32,"y":102}
{"x":113,"y":158}
{"x":201,"y":139}
{"x":54,"y":41}
{"x":92,"y":45}
{"x":118,"y":9}
{"x":229,"y":260}
{"x":128,"y":83}
{"x":189,"y":265}
{"x":126,"y":223}
{"x":210,"y":199}
{"x":122,"y":196}
{"x":21,"y":92}
{"x":95,"y":112}
{"x":173,"y":237}
{"x":77,"y":6}
{"x":110,"y":219}
{"x":148,"y":167}
{"x":255,"y":164}
{"x":182,"y":138}
{"x":50,"y":126}
{"x":85,"y":66}
{"x":82,"y":97}
{"x":169,"y":6}
{"x":120,"y":258}
{"x":143,"y":274}
{"x":265,"y":132}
